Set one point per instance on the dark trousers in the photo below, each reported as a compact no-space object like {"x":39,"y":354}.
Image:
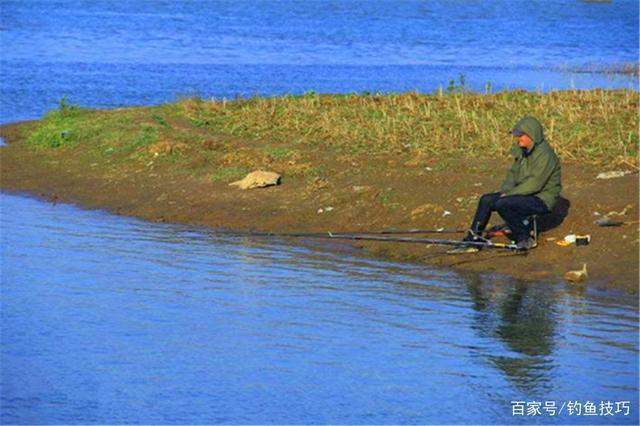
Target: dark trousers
{"x":514,"y":209}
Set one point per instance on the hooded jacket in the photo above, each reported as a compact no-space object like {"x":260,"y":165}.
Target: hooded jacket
{"x":535,"y":171}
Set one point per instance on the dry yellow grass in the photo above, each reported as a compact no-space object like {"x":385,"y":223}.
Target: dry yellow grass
{"x":595,"y":126}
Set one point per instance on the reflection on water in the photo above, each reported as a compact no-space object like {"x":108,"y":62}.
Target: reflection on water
{"x":525,"y":323}
{"x":107,"y":319}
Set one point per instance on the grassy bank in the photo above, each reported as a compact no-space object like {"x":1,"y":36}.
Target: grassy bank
{"x":597,"y":127}
{"x":349,"y":163}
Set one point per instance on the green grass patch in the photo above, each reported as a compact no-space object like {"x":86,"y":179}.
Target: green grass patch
{"x":160,"y":120}
{"x":110,"y":132}
{"x":229,"y":174}
{"x":146,"y":136}
{"x":277,"y":152}
{"x":58,"y":127}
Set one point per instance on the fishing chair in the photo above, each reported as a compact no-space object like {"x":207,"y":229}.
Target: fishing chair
{"x":503,"y":229}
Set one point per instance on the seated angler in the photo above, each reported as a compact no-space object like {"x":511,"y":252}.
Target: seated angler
{"x":532,"y":186}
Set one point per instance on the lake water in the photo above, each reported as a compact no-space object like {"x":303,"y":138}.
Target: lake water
{"x":108,"y":319}
{"x":114,"y":53}
{"x":105,"y":319}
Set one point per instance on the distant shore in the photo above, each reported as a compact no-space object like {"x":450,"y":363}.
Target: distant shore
{"x":349,"y":163}
{"x":620,"y":69}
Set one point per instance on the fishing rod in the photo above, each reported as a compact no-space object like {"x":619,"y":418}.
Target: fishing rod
{"x":408,"y":231}
{"x":479,"y":244}
{"x":368,"y":237}
{"x":321,"y":234}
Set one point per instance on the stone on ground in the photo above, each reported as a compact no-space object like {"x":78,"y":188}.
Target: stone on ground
{"x":258,"y":179}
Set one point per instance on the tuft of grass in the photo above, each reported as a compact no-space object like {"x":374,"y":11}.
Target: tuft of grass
{"x":58,"y":127}
{"x":146,"y":136}
{"x":160,"y":120}
{"x":278,"y":152}
{"x":229,"y":173}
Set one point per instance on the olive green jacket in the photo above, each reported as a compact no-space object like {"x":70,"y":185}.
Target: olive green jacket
{"x":535,"y":171}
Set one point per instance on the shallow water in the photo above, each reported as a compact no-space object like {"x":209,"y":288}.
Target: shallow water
{"x":108,"y":54}
{"x":108,"y":319}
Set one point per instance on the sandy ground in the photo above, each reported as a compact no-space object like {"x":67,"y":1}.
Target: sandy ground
{"x":355,"y":193}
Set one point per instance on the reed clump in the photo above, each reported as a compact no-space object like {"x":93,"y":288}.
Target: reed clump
{"x":594,"y":126}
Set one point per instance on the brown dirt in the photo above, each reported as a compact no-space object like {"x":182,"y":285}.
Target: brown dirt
{"x":398,"y":191}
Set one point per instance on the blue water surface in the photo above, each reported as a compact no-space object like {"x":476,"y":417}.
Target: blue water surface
{"x":115,"y":53}
{"x":113,"y":320}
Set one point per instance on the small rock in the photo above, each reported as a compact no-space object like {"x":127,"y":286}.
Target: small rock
{"x":258,"y":179}
{"x":320,"y":211}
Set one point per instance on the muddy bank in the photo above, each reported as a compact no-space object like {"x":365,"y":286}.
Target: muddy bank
{"x":355,"y":193}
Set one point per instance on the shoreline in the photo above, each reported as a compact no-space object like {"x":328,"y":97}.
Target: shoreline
{"x":324,"y":188}
{"x":479,"y":262}
{"x":360,"y":249}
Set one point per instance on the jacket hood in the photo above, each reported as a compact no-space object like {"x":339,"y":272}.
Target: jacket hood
{"x":531,"y":127}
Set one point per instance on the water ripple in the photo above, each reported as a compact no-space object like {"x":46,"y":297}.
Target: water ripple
{"x":144,"y":306}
